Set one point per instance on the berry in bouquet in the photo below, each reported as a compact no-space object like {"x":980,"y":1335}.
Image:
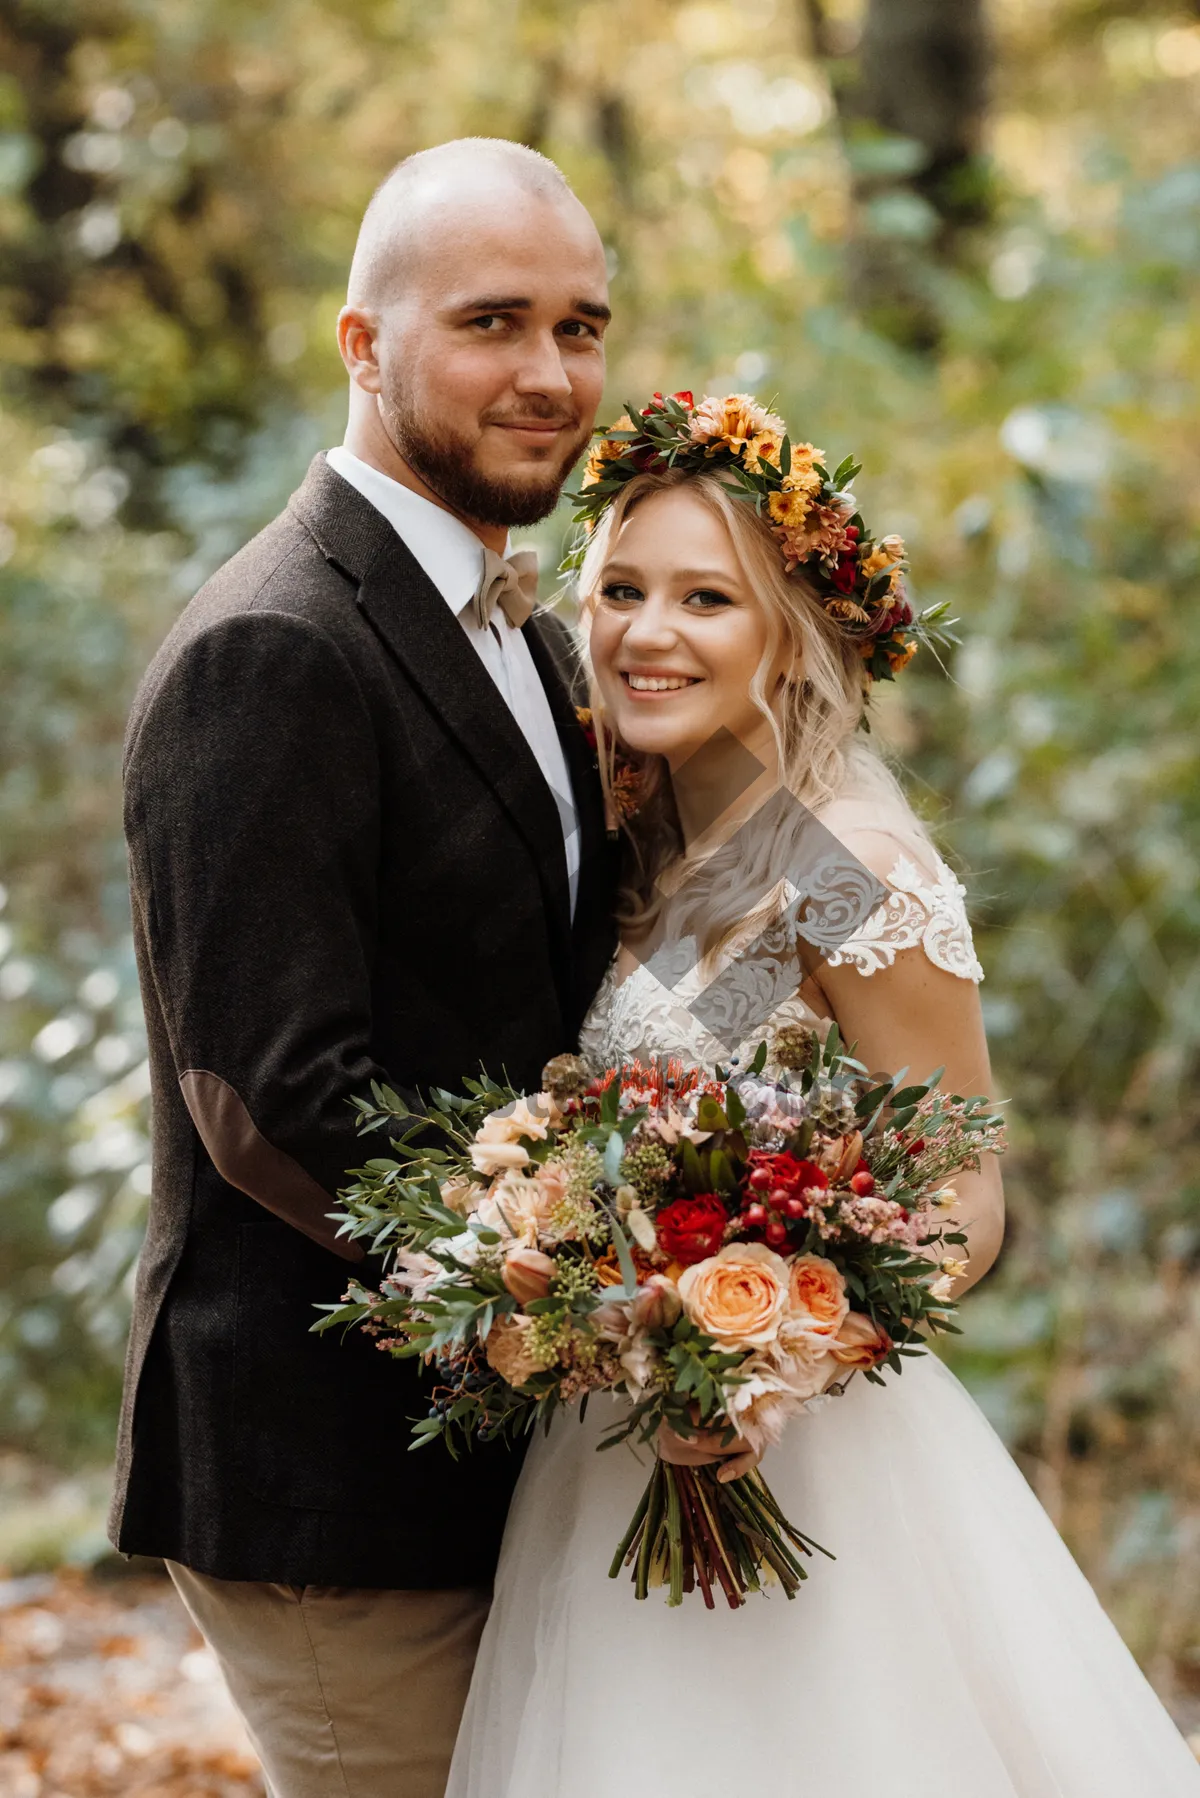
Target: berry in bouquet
{"x":723,"y":1249}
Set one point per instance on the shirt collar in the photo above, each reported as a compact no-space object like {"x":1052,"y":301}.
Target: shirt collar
{"x":450,"y":554}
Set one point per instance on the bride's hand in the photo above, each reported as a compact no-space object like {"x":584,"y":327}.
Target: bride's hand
{"x":705,"y":1450}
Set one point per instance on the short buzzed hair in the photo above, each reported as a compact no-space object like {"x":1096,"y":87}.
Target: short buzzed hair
{"x":380,"y":242}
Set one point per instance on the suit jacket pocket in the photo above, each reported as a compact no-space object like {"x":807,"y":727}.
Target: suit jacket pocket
{"x":312,"y":1414}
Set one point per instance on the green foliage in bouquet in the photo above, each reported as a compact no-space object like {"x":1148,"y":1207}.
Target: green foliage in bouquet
{"x":721,"y":1247}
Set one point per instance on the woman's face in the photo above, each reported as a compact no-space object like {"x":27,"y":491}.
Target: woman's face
{"x":677,"y":632}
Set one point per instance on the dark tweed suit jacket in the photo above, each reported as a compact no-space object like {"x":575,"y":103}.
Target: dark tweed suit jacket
{"x":346,"y":866}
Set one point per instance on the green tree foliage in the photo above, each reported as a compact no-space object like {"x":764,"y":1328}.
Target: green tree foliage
{"x":179,"y":191}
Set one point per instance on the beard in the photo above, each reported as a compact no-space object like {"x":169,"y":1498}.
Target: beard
{"x":445,"y":463}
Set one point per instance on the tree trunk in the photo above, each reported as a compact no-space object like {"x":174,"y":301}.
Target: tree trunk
{"x":912,"y":107}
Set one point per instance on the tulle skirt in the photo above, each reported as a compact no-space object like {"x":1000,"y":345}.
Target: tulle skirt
{"x":953,"y":1650}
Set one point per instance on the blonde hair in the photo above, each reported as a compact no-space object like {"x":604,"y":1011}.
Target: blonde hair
{"x":814,"y":722}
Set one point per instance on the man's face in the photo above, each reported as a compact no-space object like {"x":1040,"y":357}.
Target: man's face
{"x":491,"y":359}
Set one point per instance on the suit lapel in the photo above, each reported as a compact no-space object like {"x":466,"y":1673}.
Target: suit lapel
{"x":549,"y":646}
{"x":417,"y":626}
{"x":594,"y":935}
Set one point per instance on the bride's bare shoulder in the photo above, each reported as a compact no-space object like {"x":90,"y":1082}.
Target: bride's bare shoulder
{"x":919,"y":903}
{"x":879,"y":833}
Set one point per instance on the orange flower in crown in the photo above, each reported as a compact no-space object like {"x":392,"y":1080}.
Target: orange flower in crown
{"x":857,"y":578}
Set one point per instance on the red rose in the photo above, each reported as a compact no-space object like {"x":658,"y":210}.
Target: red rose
{"x":690,"y":1230}
{"x":809,"y":1174}
{"x":845,"y":574}
{"x":685,"y":399}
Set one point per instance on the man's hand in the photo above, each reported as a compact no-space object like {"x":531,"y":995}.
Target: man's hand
{"x":705,"y":1449}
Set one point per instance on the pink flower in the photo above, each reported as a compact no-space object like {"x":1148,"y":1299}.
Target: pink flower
{"x":824,"y":535}
{"x":734,"y":420}
{"x":860,"y":1342}
{"x":775,"y":1388}
{"x":510,"y":1352}
{"x":527,"y":1273}
{"x":518,"y":1206}
{"x":656,"y":1305}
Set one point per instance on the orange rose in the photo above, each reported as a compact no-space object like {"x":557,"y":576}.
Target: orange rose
{"x":818,"y":1294}
{"x":737,"y":1296}
{"x":860,"y":1342}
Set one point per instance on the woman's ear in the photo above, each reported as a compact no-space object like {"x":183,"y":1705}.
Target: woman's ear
{"x":793,"y":674}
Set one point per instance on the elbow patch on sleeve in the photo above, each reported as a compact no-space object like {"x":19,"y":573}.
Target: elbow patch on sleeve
{"x":242,"y":1155}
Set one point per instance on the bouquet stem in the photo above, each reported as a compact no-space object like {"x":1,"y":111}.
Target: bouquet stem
{"x":691,"y":1530}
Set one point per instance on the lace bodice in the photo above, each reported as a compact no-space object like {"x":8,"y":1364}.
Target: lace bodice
{"x":668,"y":1007}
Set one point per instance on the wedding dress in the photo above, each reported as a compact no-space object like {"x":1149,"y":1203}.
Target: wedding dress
{"x":953,"y":1649}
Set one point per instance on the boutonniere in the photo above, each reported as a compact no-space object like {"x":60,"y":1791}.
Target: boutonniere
{"x":624,"y":791}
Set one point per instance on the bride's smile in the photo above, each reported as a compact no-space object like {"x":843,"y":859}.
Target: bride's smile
{"x":678,"y":634}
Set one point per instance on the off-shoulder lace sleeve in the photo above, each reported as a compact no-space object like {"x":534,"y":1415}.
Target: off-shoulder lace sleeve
{"x":925,"y":908}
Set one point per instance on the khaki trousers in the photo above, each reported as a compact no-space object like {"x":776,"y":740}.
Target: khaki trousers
{"x":346,"y":1692}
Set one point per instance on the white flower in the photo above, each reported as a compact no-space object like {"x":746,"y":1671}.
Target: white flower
{"x":465,"y":1247}
{"x":613,"y":1322}
{"x":779,"y":1385}
{"x":762,"y":1406}
{"x":641,"y":1227}
{"x":461,"y":1194}
{"x":415,"y":1274}
{"x":489,"y":1157}
{"x":636,"y":1355}
{"x":497,"y":1143}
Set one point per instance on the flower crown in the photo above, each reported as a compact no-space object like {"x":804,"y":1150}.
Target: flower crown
{"x":858,"y":579}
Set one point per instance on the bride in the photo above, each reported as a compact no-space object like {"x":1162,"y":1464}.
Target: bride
{"x":953,"y":1650}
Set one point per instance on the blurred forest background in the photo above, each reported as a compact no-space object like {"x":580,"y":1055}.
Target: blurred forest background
{"x":960,"y":239}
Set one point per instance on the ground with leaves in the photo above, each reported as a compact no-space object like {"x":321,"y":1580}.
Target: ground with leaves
{"x":106,"y":1688}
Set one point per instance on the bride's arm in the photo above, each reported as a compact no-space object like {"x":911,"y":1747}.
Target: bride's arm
{"x":917,"y":1016}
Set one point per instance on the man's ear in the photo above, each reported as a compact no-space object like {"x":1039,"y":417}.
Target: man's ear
{"x":357,"y":330}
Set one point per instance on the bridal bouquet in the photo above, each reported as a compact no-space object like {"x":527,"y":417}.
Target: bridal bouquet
{"x":723,"y":1249}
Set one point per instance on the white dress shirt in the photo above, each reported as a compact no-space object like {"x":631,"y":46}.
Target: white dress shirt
{"x":452,"y":557}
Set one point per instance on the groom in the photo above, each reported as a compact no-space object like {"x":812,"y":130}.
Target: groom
{"x":367,"y":844}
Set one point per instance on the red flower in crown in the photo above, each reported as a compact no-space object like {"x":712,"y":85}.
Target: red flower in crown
{"x":810,"y":509}
{"x":657,"y":403}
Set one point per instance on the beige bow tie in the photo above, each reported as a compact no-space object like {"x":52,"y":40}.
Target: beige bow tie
{"x":510,"y":584}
